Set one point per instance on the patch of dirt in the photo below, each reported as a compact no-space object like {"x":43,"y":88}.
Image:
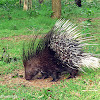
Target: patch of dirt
{"x":20,"y":37}
{"x":41,"y":83}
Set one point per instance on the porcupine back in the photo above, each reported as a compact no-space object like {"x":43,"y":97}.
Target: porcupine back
{"x":67,"y":42}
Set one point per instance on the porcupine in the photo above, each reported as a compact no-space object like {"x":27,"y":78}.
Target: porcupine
{"x":67,"y":42}
{"x":62,"y":51}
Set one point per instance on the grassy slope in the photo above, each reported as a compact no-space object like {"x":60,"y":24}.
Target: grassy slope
{"x":86,"y":87}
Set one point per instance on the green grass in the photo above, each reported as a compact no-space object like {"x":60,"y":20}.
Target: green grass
{"x":25,"y":26}
{"x":14,"y":22}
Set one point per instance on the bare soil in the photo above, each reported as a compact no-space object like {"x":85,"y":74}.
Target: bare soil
{"x":20,"y":37}
{"x":41,"y":83}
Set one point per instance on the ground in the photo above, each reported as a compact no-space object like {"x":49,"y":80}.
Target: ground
{"x":15,"y":79}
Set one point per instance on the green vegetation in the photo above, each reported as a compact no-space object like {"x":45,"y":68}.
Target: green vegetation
{"x":17,"y":26}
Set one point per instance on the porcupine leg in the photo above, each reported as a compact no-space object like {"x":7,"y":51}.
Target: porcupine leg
{"x":45,"y":75}
{"x":55,"y":76}
{"x":73,"y":73}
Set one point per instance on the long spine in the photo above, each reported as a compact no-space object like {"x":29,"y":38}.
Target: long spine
{"x":66,"y":41}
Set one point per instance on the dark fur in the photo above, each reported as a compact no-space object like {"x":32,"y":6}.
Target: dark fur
{"x":45,"y":63}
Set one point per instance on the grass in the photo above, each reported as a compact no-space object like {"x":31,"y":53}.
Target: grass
{"x":76,"y":89}
{"x":25,"y":26}
{"x":16,"y":25}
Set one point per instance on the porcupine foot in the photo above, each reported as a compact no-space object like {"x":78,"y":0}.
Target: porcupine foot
{"x":73,"y":73}
{"x":55,"y":77}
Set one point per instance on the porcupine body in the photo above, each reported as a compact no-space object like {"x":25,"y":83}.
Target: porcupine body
{"x":67,"y":42}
